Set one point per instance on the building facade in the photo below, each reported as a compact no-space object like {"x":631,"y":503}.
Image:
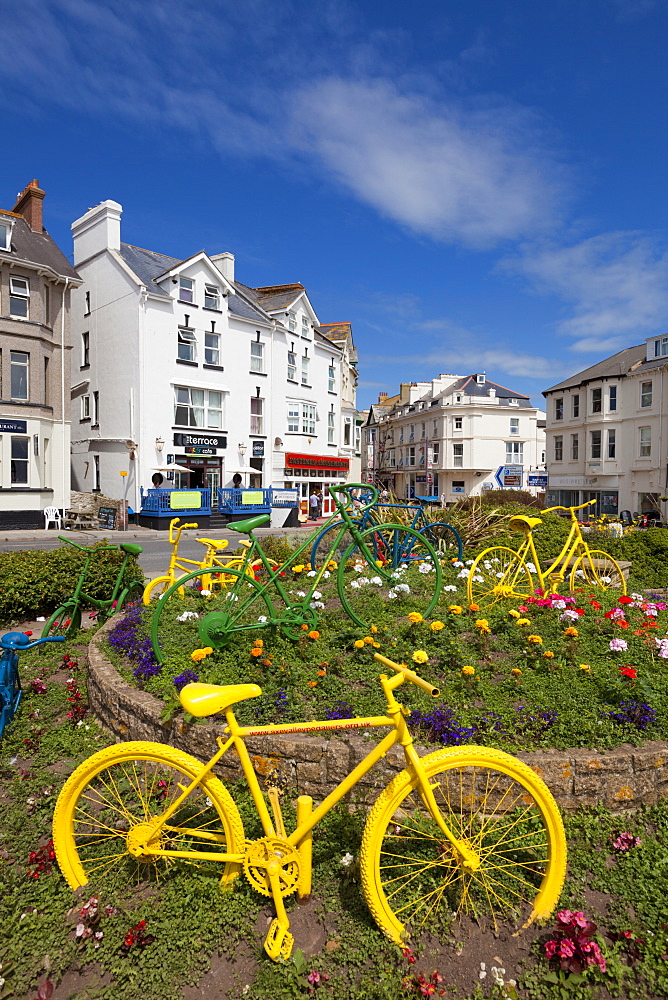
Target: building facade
{"x":454,"y":436}
{"x":36,"y":283}
{"x":177,"y":362}
{"x":607,"y":433}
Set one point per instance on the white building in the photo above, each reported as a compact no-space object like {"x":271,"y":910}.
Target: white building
{"x":607,"y":434}
{"x":455,"y":436}
{"x":177,"y":362}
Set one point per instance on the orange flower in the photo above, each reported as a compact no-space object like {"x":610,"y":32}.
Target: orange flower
{"x":256,"y":652}
{"x":474,"y":607}
{"x":265,"y":663}
{"x":304,"y":628}
{"x":314,"y":634}
{"x":321,"y":673}
{"x":258,"y":643}
{"x":623,"y":624}
{"x":312,"y":684}
{"x":638,"y":631}
{"x":571,"y":632}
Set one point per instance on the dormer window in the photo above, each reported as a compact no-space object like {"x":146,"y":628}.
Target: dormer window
{"x":292,"y":322}
{"x":186,"y":290}
{"x":6,"y":235}
{"x":480,"y":379}
{"x":661,"y":347}
{"x":306,"y":327}
{"x":211,"y":297}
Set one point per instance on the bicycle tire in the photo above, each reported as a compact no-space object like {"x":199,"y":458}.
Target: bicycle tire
{"x":398,"y":542}
{"x":130,"y":595}
{"x":498,"y":574}
{"x":598,"y":570}
{"x":65,"y":620}
{"x":105,"y":799}
{"x":206,"y":630}
{"x":324,"y":548}
{"x":446,"y":540}
{"x":161,"y":584}
{"x":411,"y":875}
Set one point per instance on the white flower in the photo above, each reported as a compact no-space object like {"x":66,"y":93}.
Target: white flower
{"x":403,"y":588}
{"x":487,"y":564}
{"x":355,"y":584}
{"x":458,"y":564}
{"x":316,"y":604}
{"x":79,"y":930}
{"x":391,"y":595}
{"x":606,"y":579}
{"x":300,"y":593}
{"x":186,"y":615}
{"x":425,"y":568}
{"x":230,"y":597}
{"x":358,"y":567}
{"x":363,"y":580}
{"x":531,"y":567}
{"x":479,"y":579}
{"x":262,"y":618}
{"x":558,"y":604}
{"x":579,"y":573}
{"x":463,"y":574}
{"x":347,"y":860}
{"x":450,"y":586}
{"x":376,"y":581}
{"x":311,"y":572}
{"x":499,"y":576}
{"x":316,"y":595}
{"x":469,"y":562}
{"x":326,"y":575}
{"x":635,"y":597}
{"x":205,"y":593}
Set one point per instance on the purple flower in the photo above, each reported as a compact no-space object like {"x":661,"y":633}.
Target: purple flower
{"x":187,"y":677}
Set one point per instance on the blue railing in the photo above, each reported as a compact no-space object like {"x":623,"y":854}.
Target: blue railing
{"x":171,"y":503}
{"x":255,"y":501}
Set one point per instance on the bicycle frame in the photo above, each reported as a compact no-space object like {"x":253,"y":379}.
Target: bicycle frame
{"x":556,"y":572}
{"x":13,"y":643}
{"x":79,"y":595}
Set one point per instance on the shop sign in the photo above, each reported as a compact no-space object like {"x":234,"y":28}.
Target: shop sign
{"x":13,"y":426}
{"x":420,"y":479}
{"x":296,"y":461}
{"x":204,"y":440}
{"x":198,"y":449}
{"x":534,"y":479}
{"x":258,"y":449}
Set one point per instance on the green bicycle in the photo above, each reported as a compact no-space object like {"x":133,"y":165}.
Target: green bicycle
{"x":66,"y":620}
{"x":383,"y":562}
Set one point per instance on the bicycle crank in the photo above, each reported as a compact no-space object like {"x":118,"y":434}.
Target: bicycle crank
{"x":214,"y":629}
{"x":272,"y":856}
{"x":295,"y":617}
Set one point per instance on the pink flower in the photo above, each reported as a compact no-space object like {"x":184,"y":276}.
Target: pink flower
{"x":625,"y":841}
{"x":618,"y":645}
{"x":564,"y":917}
{"x":566,"y":948}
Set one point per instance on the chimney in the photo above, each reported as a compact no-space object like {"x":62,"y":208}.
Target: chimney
{"x":99,"y":229}
{"x":225,"y":264}
{"x":29,"y":205}
{"x":382,"y":396}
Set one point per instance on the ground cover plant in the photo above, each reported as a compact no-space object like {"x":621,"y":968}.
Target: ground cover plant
{"x":157,"y":939}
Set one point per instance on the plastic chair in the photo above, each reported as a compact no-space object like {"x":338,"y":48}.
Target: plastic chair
{"x":52,"y":514}
{"x":625,"y":518}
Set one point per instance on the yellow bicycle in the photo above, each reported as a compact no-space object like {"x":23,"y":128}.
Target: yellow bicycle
{"x":464,"y":828}
{"x":501,"y":573}
{"x":211,"y":558}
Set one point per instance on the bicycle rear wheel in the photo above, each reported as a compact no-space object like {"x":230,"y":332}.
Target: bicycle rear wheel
{"x":65,"y":620}
{"x":498,"y":574}
{"x":597,"y":569}
{"x":327,"y":547}
{"x":107,"y":806}
{"x":412,"y":876}
{"x":156,"y":588}
{"x":446,"y":540}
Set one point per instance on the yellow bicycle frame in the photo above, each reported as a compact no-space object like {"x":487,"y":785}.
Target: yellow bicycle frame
{"x":574,"y":545}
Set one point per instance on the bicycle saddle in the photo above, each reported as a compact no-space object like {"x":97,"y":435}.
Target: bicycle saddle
{"x":250,"y":523}
{"x":132,"y":550}
{"x":207,"y":699}
{"x":216,"y":543}
{"x":523,"y":523}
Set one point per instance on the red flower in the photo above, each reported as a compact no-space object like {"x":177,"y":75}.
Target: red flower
{"x":579,"y":611}
{"x":628,"y":672}
{"x":625,"y":600}
{"x":596,"y":605}
{"x":623,"y":624}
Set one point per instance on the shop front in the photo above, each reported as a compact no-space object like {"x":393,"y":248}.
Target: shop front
{"x":315,"y":473}
{"x":200,"y":455}
{"x":570,"y":491}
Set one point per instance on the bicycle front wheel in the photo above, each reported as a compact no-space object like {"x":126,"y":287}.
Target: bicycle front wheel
{"x":105,"y":824}
{"x":156,"y":588}
{"x":498,"y":574}
{"x":597,"y":569}
{"x":446,"y":540}
{"x":388,"y":563}
{"x":208,"y":617}
{"x":499,"y":808}
{"x":65,"y":620}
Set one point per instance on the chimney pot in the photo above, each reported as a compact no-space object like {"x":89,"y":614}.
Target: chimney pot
{"x":29,"y":205}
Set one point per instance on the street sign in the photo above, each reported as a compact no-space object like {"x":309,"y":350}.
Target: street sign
{"x":537,"y":479}
{"x":509,"y":476}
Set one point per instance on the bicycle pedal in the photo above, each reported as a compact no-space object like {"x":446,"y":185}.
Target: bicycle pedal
{"x":278,"y":942}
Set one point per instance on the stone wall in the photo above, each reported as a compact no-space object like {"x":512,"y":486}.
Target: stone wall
{"x":620,"y":779}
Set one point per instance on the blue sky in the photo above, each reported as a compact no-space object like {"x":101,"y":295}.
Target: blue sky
{"x":475,"y":184}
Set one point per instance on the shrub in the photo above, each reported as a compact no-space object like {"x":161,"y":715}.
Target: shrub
{"x":278,"y":548}
{"x":35,"y":581}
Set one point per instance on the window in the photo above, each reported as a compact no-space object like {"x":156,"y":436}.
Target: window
{"x":87,"y":304}
{"x":308,"y":418}
{"x":596,"y":400}
{"x":330,"y":427}
{"x":422,"y":431}
{"x":292,"y":366}
{"x":411,"y":435}
{"x":85,"y":407}
{"x":458,"y":423}
{"x":293,"y":418}
{"x":186,"y":346}
{"x":435,"y":430}
{"x":257,"y":356}
{"x":391,"y":458}
{"x":611,"y":444}
{"x":645,"y":442}
{"x":458,"y":486}
{"x":331,"y":379}
{"x":512,"y":401}
{"x":257,"y":415}
{"x":514,"y":425}
{"x":212,"y":349}
{"x":186,"y":290}
{"x":575,"y":447}
{"x":347,"y":435}
{"x":436,"y":453}
{"x":514,"y":452}
{"x":18,"y":363}
{"x":559,"y":408}
{"x":85,"y":350}
{"x":292,"y":322}
{"x":47,"y":304}
{"x":96,"y":408}
{"x":401,"y":434}
{"x":645,"y":393}
{"x":198,"y":407}
{"x":660,"y":346}
{"x":612,"y":398}
{"x":595,"y":438}
{"x":305,"y":370}
{"x":458,"y":456}
{"x":410,"y":455}
{"x":306,"y":327}
{"x":5,"y":236}
{"x":575,"y":404}
{"x":47,"y":393}
{"x":211,"y":297}
{"x":19,"y":296}
{"x":19,"y":463}
{"x":558,"y":448}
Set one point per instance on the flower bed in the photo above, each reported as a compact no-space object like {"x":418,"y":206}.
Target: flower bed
{"x":559,"y":672}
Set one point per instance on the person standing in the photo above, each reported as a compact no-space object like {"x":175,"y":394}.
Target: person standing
{"x":321,"y":501}
{"x":313,"y":505}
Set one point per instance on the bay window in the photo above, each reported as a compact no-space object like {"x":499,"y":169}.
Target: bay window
{"x":198,"y":407}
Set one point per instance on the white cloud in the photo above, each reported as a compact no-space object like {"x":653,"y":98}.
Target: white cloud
{"x":476,"y":176}
{"x":616,"y":283}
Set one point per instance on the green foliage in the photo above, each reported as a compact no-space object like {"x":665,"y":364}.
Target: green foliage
{"x":278,"y":548}
{"x":35,"y":581}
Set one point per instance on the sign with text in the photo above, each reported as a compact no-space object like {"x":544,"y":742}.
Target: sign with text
{"x":509,"y":476}
{"x":107,"y":517}
{"x":199,"y":449}
{"x":185,"y":499}
{"x":537,"y":479}
{"x":258,"y":449}
{"x":203,"y":440}
{"x":295,"y":461}
{"x":13,"y":426}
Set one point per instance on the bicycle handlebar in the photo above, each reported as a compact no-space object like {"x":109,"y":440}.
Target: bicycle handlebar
{"x":83,"y":548}
{"x":587,"y":503}
{"x":11,"y":641}
{"x":347,"y":489}
{"x":410,"y":675}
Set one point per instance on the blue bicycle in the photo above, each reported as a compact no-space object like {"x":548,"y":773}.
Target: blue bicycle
{"x":13,"y":643}
{"x":391,"y":548}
